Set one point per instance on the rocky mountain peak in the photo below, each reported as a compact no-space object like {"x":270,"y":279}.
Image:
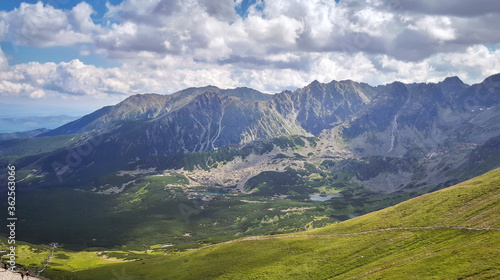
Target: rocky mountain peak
{"x":452,"y":81}
{"x":452,"y":85}
{"x":314,"y":83}
{"x":492,"y":79}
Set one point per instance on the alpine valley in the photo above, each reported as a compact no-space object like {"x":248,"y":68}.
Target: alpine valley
{"x":160,"y":180}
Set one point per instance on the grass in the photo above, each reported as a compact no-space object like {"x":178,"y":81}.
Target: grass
{"x":65,"y":263}
{"x":162,"y":209}
{"x":328,"y":190}
{"x":473,"y":203}
{"x":149,"y":212}
{"x":418,"y":253}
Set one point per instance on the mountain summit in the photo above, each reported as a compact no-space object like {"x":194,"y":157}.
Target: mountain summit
{"x":425,"y":133}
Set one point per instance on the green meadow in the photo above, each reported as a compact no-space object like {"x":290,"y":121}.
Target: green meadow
{"x":448,"y":234}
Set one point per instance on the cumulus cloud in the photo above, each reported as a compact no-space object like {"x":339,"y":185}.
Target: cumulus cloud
{"x":166,"y":45}
{"x":37,"y":94}
{"x":74,"y":78}
{"x":476,"y":63}
{"x":43,"y":25}
{"x":212,"y":31}
{"x":449,"y":7}
{"x":70,"y":78}
{"x":4,"y":64}
{"x":222,"y":9}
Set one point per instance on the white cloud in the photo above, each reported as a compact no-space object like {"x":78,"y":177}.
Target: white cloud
{"x":43,"y":25}
{"x":212,"y":32}
{"x":10,"y":88}
{"x":356,"y":67}
{"x":74,"y":78}
{"x":79,"y":18}
{"x":167,"y":45}
{"x":4,"y":64}
{"x":280,"y":31}
{"x":37,"y":94}
{"x":438,"y":27}
{"x":464,"y":8}
{"x":475,"y":64}
{"x":407,"y":71}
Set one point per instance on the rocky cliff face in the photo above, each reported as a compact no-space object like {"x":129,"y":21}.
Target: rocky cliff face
{"x":212,"y":120}
{"x":148,"y":106}
{"x":435,"y":128}
{"x":403,"y":118}
{"x":321,"y":106}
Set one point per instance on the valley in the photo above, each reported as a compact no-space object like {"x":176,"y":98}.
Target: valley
{"x":433,"y":235}
{"x":207,"y":178}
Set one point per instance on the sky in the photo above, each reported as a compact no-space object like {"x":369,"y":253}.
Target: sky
{"x":73,"y":57}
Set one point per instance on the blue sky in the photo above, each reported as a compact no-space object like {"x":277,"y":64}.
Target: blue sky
{"x":73,"y":57}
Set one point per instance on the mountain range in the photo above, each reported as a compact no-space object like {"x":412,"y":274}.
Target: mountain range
{"x":164,"y":174}
{"x":421,"y":134}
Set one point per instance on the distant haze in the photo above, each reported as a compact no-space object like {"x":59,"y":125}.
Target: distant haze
{"x":30,"y":123}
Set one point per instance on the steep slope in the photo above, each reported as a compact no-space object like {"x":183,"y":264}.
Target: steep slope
{"x":148,"y":106}
{"x":406,"y":119}
{"x":448,"y":234}
{"x":427,"y":135}
{"x":102,"y":117}
{"x":24,"y":134}
{"x":212,"y":120}
{"x":435,"y":128}
{"x":321,"y":106}
{"x":208,"y":121}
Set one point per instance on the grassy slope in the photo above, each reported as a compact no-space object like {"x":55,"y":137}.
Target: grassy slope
{"x":393,"y":254}
{"x":474,"y":203}
{"x":33,"y":146}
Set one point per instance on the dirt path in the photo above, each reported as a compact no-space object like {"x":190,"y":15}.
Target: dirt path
{"x":251,"y":238}
{"x":7,"y":275}
{"x":369,"y":231}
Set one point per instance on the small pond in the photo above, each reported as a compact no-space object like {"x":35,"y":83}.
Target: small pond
{"x":323,"y":197}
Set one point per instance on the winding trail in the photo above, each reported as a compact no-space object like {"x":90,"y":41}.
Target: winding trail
{"x":368,"y":232}
{"x":49,"y":258}
{"x":252,"y":238}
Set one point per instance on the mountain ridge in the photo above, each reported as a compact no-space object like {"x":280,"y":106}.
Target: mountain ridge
{"x":426,"y":133}
{"x":147,"y":106}
{"x":165,"y":174}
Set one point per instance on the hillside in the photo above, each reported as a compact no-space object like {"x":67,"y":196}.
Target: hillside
{"x":24,"y":134}
{"x":205,"y":166}
{"x":390,"y":138}
{"x":449,"y":234}
{"x":149,"y":106}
